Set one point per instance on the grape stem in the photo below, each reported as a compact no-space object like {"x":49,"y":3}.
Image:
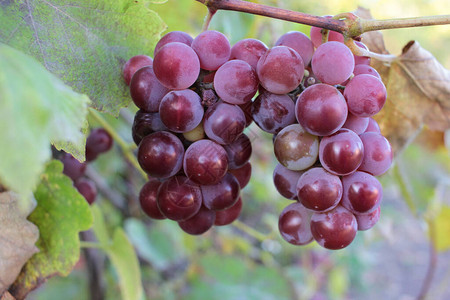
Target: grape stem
{"x":249,"y":230}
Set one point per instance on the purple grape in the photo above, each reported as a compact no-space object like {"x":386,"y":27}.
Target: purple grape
{"x":98,"y":141}
{"x":181,"y":111}
{"x":335,"y":229}
{"x":242,"y":174}
{"x":174,"y":36}
{"x":356,"y":124}
{"x":365,"y":69}
{"x":160,"y":154}
{"x":378,"y":153}
{"x":367,"y":221}
{"x":373,"y":126}
{"x":319,"y":190}
{"x":341,"y":153}
{"x":361,"y":60}
{"x":300,"y":43}
{"x":72,"y":166}
{"x":238,"y":152}
{"x":316,"y":35}
{"x":148,"y":199}
{"x":236,"y":82}
{"x":280,"y":70}
{"x":224,"y":123}
{"x":247,"y":109}
{"x":285,"y":181}
{"x":221,"y":195}
{"x":295,"y":148}
{"x":294,"y":224}
{"x":273,"y":112}
{"x":229,"y":215}
{"x":200,"y":223}
{"x":87,"y":189}
{"x":146,"y":90}
{"x":365,"y":95}
{"x":134,"y":64}
{"x":333,"y":63}
{"x":249,"y":50}
{"x":213,"y":49}
{"x":321,"y":109}
{"x":205,"y":162}
{"x":362,"y":192}
{"x":176,"y":66}
{"x":179,"y":198}
{"x":145,"y":124}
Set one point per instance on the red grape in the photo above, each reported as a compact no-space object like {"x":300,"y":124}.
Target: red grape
{"x":200,"y":223}
{"x":148,"y":199}
{"x":213,"y":49}
{"x":362,"y":192}
{"x":134,"y":64}
{"x":294,"y":224}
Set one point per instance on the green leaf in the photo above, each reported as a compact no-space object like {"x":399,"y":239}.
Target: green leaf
{"x":36,"y":108}
{"x":122,"y":255}
{"x":60,"y":215}
{"x":231,"y":278}
{"x":442,"y":227}
{"x":85,"y":43}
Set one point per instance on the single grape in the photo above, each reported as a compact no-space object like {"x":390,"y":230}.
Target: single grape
{"x":341,"y":153}
{"x":98,"y":141}
{"x":378,"y":153}
{"x":148,"y":199}
{"x":367,"y":221}
{"x":249,"y":50}
{"x":179,"y":198}
{"x":334,"y":229}
{"x":361,"y":60}
{"x":321,"y":109}
{"x":176,"y":66}
{"x":198,"y":133}
{"x":316,"y":35}
{"x":294,"y":224}
{"x":160,"y":154}
{"x":205,"y":162}
{"x":242,"y":174}
{"x":72,"y":166}
{"x":144,"y":124}
{"x":280,"y":70}
{"x":285,"y":181}
{"x":213,"y":49}
{"x":238,"y":152}
{"x":300,"y":42}
{"x":236,"y":82}
{"x":200,"y":223}
{"x":373,"y":126}
{"x":229,"y":215}
{"x":174,"y":36}
{"x":87,"y":189}
{"x":365,"y":69}
{"x":356,"y":124}
{"x":272,"y":112}
{"x":362,"y":192}
{"x":181,"y":111}
{"x":333,"y":63}
{"x":295,"y":148}
{"x":134,"y":64}
{"x":146,"y":91}
{"x":221,"y":195}
{"x":224,"y":122}
{"x":319,"y":190}
{"x":365,"y":94}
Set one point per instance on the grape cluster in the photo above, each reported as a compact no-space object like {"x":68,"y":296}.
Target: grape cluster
{"x":190,"y":129}
{"x":197,"y":96}
{"x":99,"y":141}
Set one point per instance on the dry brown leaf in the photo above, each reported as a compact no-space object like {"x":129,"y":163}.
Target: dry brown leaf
{"x":418,"y":89}
{"x":7,"y":296}
{"x":17,"y":239}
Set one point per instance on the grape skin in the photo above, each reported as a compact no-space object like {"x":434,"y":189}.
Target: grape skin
{"x":249,"y":50}
{"x":144,"y":124}
{"x":229,"y":215}
{"x":221,"y":195}
{"x":148,"y":199}
{"x":362,"y":192}
{"x":378,"y":153}
{"x":134,"y":64}
{"x":87,"y":189}
{"x":174,"y":36}
{"x":367,"y":221}
{"x":300,"y":42}
{"x":242,"y":174}
{"x":294,"y":224}
{"x":365,"y":95}
{"x":238,"y":152}
{"x":356,"y":124}
{"x":200,"y":223}
{"x":316,"y":35}
{"x":285,"y":181}
{"x":213,"y":49}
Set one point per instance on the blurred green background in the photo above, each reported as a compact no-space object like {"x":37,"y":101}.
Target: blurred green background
{"x":389,"y":261}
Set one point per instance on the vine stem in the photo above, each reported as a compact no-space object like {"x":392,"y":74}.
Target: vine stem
{"x":350,"y":27}
{"x":127,"y":149}
{"x":426,"y":285}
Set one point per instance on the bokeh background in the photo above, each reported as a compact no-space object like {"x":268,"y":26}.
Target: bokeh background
{"x":249,"y":260}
